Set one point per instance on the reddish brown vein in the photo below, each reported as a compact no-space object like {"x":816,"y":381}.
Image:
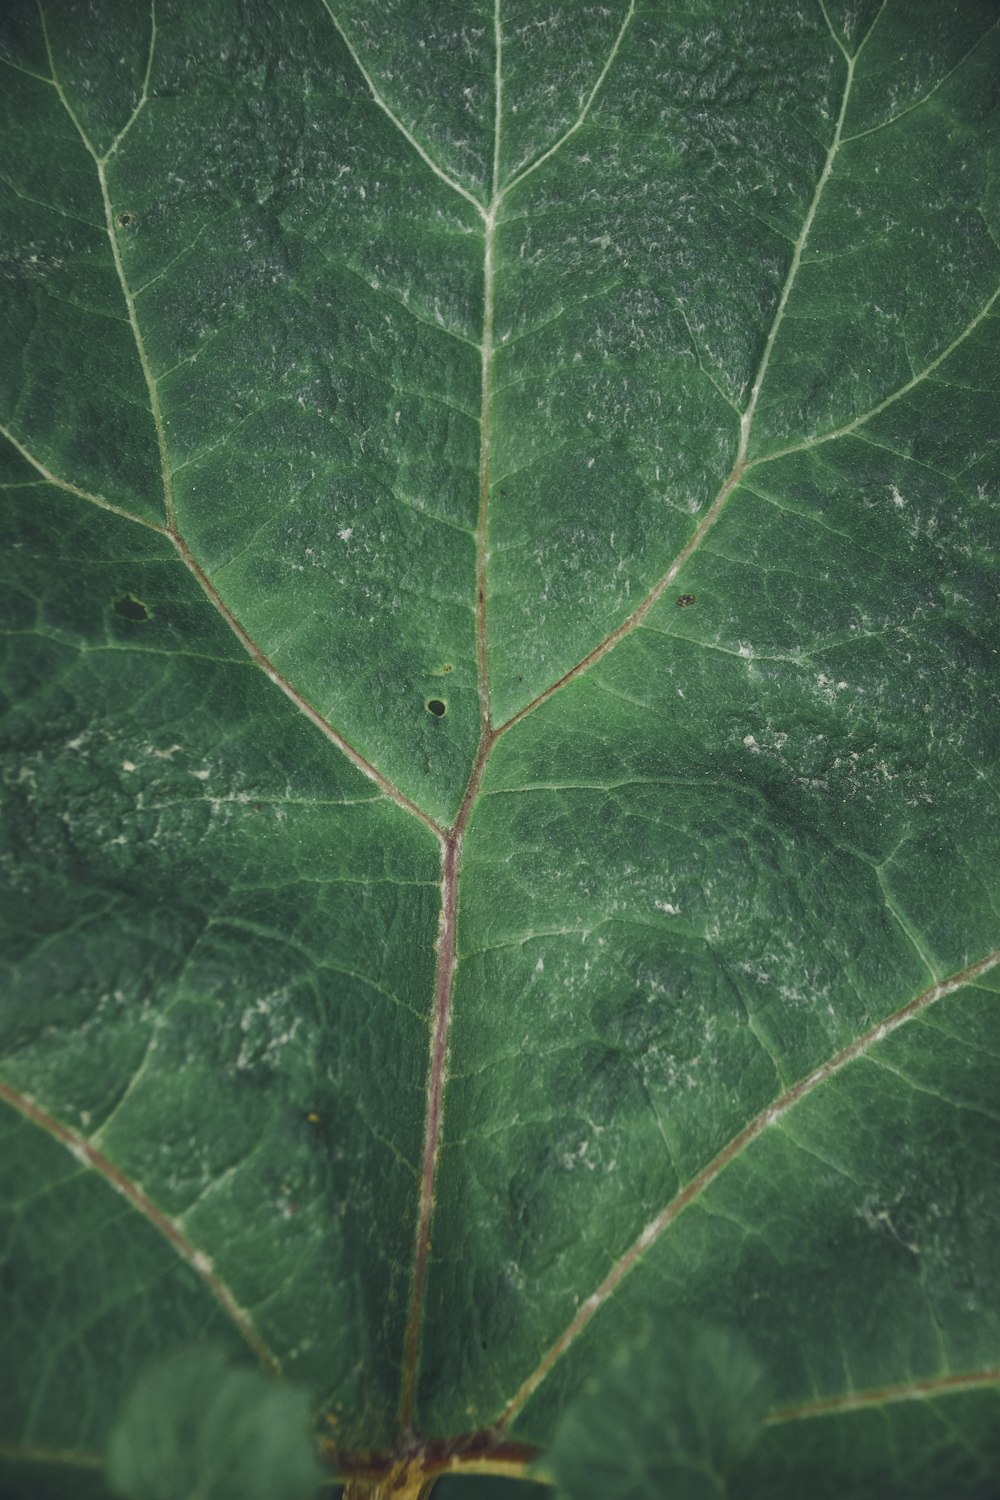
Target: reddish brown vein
{"x":412,"y":1467}
{"x":694,"y":1189}
{"x":451,"y":858}
{"x":484,"y":1452}
{"x":432,"y":1125}
{"x":913,"y":1390}
{"x":90,"y":1157}
{"x":451,"y":852}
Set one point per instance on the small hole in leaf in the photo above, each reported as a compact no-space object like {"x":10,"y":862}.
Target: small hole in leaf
{"x":131,"y":608}
{"x":124,"y":220}
{"x":436,"y":706}
{"x":683,"y":600}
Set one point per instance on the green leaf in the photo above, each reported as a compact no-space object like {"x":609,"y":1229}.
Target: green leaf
{"x":499,"y":662}
{"x":671,"y":1415}
{"x":196,"y":1425}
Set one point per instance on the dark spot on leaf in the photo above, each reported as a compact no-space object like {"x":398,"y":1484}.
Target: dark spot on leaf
{"x":436,"y":706}
{"x":131,"y":608}
{"x":124,"y":220}
{"x":683,"y":600}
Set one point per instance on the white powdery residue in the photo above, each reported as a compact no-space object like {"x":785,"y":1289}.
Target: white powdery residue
{"x":828,"y":687}
{"x":647,"y":1237}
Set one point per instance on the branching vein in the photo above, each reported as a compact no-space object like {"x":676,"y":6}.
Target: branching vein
{"x":775,"y":1112}
{"x":390,"y":114}
{"x":584,"y":112}
{"x":88,"y":1156}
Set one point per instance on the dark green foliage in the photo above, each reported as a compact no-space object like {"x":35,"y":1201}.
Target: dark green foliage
{"x":499,"y":511}
{"x":669,"y":1418}
{"x":198,"y":1427}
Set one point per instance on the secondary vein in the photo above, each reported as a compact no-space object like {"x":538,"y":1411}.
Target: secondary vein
{"x":741,"y":462}
{"x":693,"y":1190}
{"x":88,"y":1156}
{"x":109,"y":223}
{"x":746,"y":421}
{"x":390,"y":114}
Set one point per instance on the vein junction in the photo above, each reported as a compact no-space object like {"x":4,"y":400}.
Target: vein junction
{"x":450,"y":839}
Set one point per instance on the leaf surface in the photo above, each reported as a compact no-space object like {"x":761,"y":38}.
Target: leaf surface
{"x":500,"y":768}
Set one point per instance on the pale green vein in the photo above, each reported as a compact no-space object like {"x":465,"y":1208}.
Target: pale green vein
{"x":74,"y":489}
{"x":94,"y":1139}
{"x":147,"y":372}
{"x":284,"y":939}
{"x":595,"y":786}
{"x":746,"y":421}
{"x":890,"y":400}
{"x":584,"y":112}
{"x":918,"y":1087}
{"x":391,"y":115}
{"x":249,"y":645}
{"x":508,"y":340}
{"x":28,"y":73}
{"x":399,"y":298}
{"x":497,"y":98}
{"x":144,"y":96}
{"x":696,"y":350}
{"x":48,"y":207}
{"x":431,"y":515}
{"x":925,"y":98}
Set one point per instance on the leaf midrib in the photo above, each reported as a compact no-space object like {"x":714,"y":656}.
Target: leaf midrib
{"x":450,"y":838}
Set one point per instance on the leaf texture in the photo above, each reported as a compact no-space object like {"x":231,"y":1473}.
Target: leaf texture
{"x":500,"y":791}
